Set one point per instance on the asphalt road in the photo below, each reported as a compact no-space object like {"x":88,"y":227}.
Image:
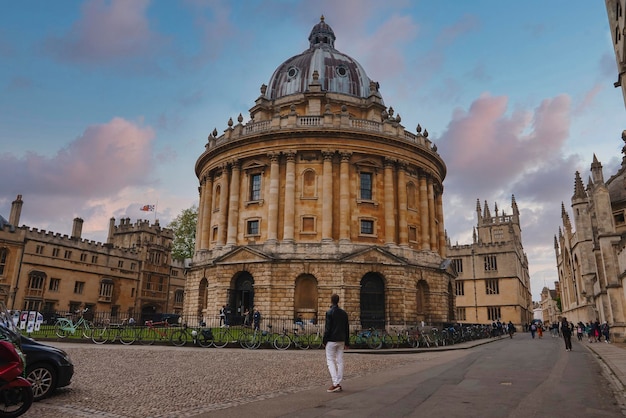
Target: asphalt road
{"x":521,"y":377}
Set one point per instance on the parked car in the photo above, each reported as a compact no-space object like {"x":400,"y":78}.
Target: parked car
{"x":170,"y":318}
{"x":47,"y":367}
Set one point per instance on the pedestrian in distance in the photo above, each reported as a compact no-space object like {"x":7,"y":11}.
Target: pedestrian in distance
{"x":511,"y":329}
{"x":606,"y":331}
{"x":222,"y":315}
{"x":566,"y":331}
{"x":533,"y":329}
{"x":256,"y":319}
{"x":336,"y":338}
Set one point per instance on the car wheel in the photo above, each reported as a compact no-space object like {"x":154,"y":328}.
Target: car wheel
{"x":42,"y":378}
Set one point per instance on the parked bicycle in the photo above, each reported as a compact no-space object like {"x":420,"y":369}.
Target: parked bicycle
{"x":284,"y":340}
{"x":126,"y":333}
{"x":64,"y":327}
{"x":154,"y":331}
{"x":253,"y":339}
{"x":370,"y":337}
{"x":196,"y":335}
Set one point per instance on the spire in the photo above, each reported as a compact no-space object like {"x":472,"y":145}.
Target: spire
{"x":596,"y":171}
{"x":579,"y":189}
{"x":487,"y":214}
{"x":514,"y":205}
{"x":474,"y":234}
{"x":496,"y":208}
{"x":556,"y":242}
{"x":478,"y":210}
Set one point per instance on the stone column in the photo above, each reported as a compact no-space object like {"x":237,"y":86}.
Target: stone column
{"x":233,"y":203}
{"x":223,"y":216}
{"x":403,"y":231}
{"x":272,"y":209}
{"x":207,"y":201}
{"x":200,"y":216}
{"x":442,"y":230}
{"x":424,"y":225}
{"x":344,"y":197}
{"x":327,"y":197}
{"x":431,"y":215}
{"x":390,"y":220}
{"x":290,"y":197}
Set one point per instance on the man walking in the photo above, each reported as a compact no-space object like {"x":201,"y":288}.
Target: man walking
{"x":566,"y":331}
{"x":336,"y":337}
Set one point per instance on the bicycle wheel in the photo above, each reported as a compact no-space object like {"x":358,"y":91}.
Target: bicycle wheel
{"x":388,"y":341}
{"x":315,"y":341}
{"x":146,"y":336}
{"x":63,"y":329}
{"x":282,"y":342}
{"x":412,"y":341}
{"x":244,"y":336}
{"x":128,"y":335}
{"x":205,"y":337}
{"x":221,"y":337}
{"x":301,"y":341}
{"x":180,"y":337}
{"x":100,"y":335}
{"x":86,"y":330}
{"x":374,"y":341}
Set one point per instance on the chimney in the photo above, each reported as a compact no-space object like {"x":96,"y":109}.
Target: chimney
{"x":111,"y":231}
{"x":16,"y":211}
{"x":77,"y":228}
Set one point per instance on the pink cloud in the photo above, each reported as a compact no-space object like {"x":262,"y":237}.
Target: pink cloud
{"x":107,"y":31}
{"x":104,"y":159}
{"x":487,"y":149}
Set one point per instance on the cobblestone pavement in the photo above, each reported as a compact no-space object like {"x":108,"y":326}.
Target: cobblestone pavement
{"x":118,"y":381}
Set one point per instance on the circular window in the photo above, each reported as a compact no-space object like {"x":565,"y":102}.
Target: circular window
{"x":342,"y":71}
{"x":292,"y":72}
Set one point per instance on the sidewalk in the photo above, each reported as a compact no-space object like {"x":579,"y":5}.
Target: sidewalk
{"x":613,"y":356}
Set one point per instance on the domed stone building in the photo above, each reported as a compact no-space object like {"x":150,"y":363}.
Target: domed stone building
{"x":322,"y":191}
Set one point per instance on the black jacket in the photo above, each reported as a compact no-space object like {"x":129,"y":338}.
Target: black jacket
{"x":337,"y":327}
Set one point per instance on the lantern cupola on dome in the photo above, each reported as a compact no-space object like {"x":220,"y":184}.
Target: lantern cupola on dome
{"x":336,"y":71}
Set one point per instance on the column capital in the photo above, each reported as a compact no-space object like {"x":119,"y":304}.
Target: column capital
{"x":345,"y":156}
{"x":328,"y":155}
{"x":389,"y":162}
{"x":290,"y":155}
{"x":273,"y":156}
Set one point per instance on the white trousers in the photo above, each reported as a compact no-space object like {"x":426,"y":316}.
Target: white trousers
{"x":334,"y":360}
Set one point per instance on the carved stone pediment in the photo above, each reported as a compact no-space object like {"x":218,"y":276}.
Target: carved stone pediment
{"x":243,"y":255}
{"x":374,"y":255}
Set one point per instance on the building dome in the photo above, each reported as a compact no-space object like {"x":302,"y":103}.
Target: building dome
{"x":336,"y":71}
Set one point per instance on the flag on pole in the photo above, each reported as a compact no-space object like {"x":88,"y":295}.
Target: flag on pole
{"x":147,"y":208}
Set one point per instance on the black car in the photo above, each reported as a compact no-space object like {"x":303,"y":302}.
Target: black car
{"x":47,"y":367}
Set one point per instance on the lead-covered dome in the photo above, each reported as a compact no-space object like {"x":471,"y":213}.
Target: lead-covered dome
{"x":337,"y":72}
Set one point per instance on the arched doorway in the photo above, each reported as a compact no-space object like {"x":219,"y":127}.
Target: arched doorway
{"x":241,"y":297}
{"x":305,"y":298}
{"x":421,"y":303}
{"x":372,"y":301}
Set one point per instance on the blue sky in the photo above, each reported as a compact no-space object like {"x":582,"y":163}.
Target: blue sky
{"x":106,"y":105}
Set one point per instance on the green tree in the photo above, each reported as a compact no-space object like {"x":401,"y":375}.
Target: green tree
{"x":184,"y":227}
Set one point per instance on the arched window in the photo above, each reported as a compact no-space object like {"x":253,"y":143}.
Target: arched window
{"x":411,"y":196}
{"x":218,"y":195}
{"x":309,"y":184}
{"x":202,"y":295}
{"x":421,"y":304}
{"x":305,"y":301}
{"x":4,"y":253}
